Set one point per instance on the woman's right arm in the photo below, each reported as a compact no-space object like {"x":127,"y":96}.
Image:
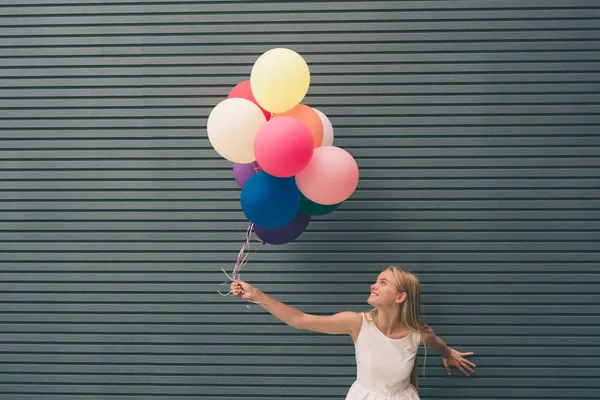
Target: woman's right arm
{"x":341,"y":323}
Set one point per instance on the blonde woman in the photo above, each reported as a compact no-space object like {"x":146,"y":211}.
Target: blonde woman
{"x":386,"y":339}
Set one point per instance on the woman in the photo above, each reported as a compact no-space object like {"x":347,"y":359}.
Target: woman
{"x":386,"y":339}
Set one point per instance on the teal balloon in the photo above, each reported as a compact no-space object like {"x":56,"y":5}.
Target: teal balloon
{"x":315,"y":209}
{"x":268,"y":201}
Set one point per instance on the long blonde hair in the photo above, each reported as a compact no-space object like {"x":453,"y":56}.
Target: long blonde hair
{"x":410,"y":309}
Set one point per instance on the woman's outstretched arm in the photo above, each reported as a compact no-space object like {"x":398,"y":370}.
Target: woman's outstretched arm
{"x":346,"y":322}
{"x":452,"y":358}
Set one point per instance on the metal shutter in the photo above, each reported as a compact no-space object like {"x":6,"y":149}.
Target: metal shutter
{"x":476,"y":128}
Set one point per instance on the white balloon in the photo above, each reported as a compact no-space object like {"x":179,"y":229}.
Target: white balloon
{"x":232,"y":126}
{"x":327,"y":129}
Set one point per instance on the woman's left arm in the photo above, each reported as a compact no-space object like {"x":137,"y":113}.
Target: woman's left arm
{"x":452,"y":358}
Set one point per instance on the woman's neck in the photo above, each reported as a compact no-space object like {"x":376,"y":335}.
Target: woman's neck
{"x":389,"y":323}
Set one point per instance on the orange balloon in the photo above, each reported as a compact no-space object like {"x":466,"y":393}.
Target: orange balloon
{"x":308,"y":117}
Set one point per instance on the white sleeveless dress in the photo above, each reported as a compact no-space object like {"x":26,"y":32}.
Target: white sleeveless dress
{"x":383,"y":365}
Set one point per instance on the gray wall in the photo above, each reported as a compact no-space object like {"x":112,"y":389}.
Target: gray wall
{"x":475,"y":126}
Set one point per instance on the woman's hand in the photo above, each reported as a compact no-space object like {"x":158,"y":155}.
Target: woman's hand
{"x":457,"y":360}
{"x":244,"y":290}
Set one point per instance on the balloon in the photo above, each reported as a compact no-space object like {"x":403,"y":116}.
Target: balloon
{"x":268,"y":201}
{"x":316,"y":209}
{"x":308,"y":117}
{"x":330,"y":177}
{"x":232,"y":126}
{"x":283,"y":147}
{"x":327,"y":129}
{"x":286,"y":233}
{"x":279,"y":79}
{"x":242,"y":90}
{"x":242,"y":172}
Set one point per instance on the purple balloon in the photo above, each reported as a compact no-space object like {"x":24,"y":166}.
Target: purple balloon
{"x":242,"y":172}
{"x":286,"y":233}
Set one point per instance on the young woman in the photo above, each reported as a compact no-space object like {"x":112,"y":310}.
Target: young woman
{"x":386,"y":338}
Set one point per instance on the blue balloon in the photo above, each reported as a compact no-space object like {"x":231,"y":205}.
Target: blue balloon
{"x":268,"y":201}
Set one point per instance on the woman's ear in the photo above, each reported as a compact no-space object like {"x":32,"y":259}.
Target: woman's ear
{"x":401,"y":297}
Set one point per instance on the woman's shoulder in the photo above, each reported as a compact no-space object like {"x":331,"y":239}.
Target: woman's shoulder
{"x":368,"y":315}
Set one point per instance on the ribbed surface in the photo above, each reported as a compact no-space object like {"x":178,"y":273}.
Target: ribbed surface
{"x":476,"y":128}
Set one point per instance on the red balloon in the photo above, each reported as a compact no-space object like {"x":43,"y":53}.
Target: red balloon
{"x":283,"y":147}
{"x":242,"y":90}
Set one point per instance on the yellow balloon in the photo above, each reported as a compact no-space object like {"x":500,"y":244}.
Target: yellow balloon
{"x":279,"y":80}
{"x":232,"y":126}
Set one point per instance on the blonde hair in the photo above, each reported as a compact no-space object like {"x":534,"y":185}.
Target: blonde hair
{"x":410,"y":309}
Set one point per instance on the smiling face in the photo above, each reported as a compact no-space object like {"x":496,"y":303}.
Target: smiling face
{"x":384,"y":292}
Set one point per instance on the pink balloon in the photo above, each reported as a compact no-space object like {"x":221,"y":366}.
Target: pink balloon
{"x":330,"y":177}
{"x":283,"y":147}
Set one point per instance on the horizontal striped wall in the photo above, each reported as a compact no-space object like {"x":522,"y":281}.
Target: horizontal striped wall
{"x":475,"y":125}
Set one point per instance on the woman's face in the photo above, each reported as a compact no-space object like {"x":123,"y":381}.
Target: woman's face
{"x":384,"y":292}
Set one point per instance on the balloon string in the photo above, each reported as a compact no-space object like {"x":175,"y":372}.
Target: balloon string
{"x":257,"y":168}
{"x":243,"y":257}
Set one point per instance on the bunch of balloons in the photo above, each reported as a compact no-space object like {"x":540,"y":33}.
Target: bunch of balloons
{"x":282,"y":150}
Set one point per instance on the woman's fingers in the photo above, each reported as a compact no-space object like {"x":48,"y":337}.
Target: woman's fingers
{"x":236,"y":288}
{"x":463,"y":370}
{"x":466,"y":366}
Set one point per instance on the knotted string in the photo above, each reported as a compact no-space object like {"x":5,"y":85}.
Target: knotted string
{"x":244,"y":255}
{"x":242,"y":259}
